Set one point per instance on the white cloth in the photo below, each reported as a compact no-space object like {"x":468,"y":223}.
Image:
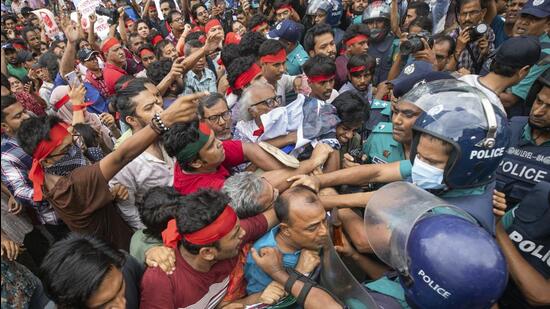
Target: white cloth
{"x":284,"y":86}
{"x":143,"y":173}
{"x":473,"y":80}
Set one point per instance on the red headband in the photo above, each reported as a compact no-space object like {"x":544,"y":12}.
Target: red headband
{"x":210,"y":24}
{"x":247,"y":76}
{"x":145,"y":52}
{"x":18,"y":46}
{"x":42,"y":151}
{"x":356,"y":39}
{"x":211,"y":233}
{"x":257,"y":27}
{"x":357,"y":69}
{"x":110,"y":42}
{"x":319,"y":78}
{"x":232,"y":38}
{"x":280,"y":56}
{"x":202,"y":39}
{"x":156,"y":40}
{"x":284,"y":7}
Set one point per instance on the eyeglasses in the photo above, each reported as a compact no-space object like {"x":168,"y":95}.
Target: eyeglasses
{"x":271,"y":102}
{"x":217,"y":118}
{"x":471,"y":14}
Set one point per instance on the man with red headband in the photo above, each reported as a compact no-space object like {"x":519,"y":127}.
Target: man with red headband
{"x":284,"y":10}
{"x":272,"y":61}
{"x":211,"y":238}
{"x":147,"y":55}
{"x":115,"y":67}
{"x":258,"y":23}
{"x":78,"y":191}
{"x":321,"y":73}
{"x":355,"y":43}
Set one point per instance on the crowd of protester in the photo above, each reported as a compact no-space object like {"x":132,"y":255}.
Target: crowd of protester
{"x":275,"y":154}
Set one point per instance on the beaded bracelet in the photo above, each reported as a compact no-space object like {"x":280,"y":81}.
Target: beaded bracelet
{"x":157,"y":122}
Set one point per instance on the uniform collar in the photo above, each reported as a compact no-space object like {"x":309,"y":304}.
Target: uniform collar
{"x":527,"y":137}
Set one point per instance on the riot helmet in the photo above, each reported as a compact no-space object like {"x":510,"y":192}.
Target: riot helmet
{"x":332,"y":8}
{"x":377,"y":10}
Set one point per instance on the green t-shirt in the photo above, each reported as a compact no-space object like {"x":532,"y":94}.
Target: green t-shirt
{"x":140,"y":243}
{"x":17,"y":72}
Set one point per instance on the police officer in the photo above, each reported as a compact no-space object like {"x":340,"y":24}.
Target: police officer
{"x":289,"y":33}
{"x":381,"y":47}
{"x":524,"y":237}
{"x":391,"y":141}
{"x":527,"y":160}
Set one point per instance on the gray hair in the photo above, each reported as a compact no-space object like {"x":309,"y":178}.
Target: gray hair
{"x":244,"y":189}
{"x":246,"y":98}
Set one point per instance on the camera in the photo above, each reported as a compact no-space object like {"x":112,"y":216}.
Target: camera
{"x":112,"y":14}
{"x":414,"y":43}
{"x":477,"y":32}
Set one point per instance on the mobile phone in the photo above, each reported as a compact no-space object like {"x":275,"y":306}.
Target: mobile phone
{"x":72,"y":78}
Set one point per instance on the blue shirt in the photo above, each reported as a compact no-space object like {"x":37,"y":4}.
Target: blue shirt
{"x":257,"y":279}
{"x":100,"y":105}
{"x":206,"y":83}
{"x":521,"y":89}
{"x":498,"y":28}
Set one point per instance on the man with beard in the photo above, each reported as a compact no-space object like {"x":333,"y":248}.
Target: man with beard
{"x":15,"y":68}
{"x":319,"y":40}
{"x":360,"y":70}
{"x":381,"y":47}
{"x":356,"y":41}
{"x":503,"y":26}
{"x":527,"y":160}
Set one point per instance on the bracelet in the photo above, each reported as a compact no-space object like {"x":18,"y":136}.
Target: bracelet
{"x":155,"y":128}
{"x":77,"y":108}
{"x":159,"y":124}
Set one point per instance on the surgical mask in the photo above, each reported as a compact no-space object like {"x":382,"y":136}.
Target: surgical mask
{"x":72,"y":160}
{"x":427,"y":176}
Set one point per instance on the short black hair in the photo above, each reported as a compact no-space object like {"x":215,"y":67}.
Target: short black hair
{"x":317,"y":30}
{"x":74,"y":268}
{"x":208,"y":101}
{"x":191,"y":44}
{"x":250,"y":43}
{"x":424,"y":22}
{"x":441,"y":37}
{"x":158,"y":70}
{"x":351,"y":108}
{"x":255,"y":20}
{"x":158,"y":207}
{"x":421,"y":8}
{"x":179,"y":136}
{"x":229,"y":53}
{"x":126,"y":90}
{"x":34,"y":130}
{"x":282,"y":203}
{"x":270,"y":47}
{"x":50,"y":61}
{"x":503,"y":69}
{"x":195,"y":36}
{"x":279,"y":3}
{"x":7,"y":101}
{"x":88,"y":134}
{"x":362,"y":60}
{"x":355,"y":30}
{"x":12,"y":17}
{"x":459,"y":3}
{"x":27,"y":30}
{"x":160,"y":46}
{"x":236,"y":68}
{"x":201,"y":209}
{"x":170,"y":3}
{"x":319,"y":65}
{"x":195,"y":7}
{"x":5,"y":81}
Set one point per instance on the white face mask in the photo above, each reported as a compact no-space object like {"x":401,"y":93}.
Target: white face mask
{"x":427,"y":176}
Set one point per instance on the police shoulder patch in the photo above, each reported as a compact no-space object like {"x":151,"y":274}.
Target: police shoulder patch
{"x":383,"y":127}
{"x":379,"y":104}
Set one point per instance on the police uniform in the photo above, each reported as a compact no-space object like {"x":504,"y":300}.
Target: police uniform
{"x":525,"y":164}
{"x":295,"y":59}
{"x":528,"y":228}
{"x":383,"y":52}
{"x":380,"y":111}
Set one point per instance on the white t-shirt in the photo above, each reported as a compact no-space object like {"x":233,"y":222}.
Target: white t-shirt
{"x":473,"y":80}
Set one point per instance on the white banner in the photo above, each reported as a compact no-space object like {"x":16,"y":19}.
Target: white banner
{"x":50,"y":26}
{"x":87,"y":7}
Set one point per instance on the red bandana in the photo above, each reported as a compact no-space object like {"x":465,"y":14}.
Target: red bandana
{"x":210,"y":24}
{"x":357,"y":69}
{"x":257,"y":27}
{"x":280,"y":56}
{"x":319,"y":78}
{"x":247,"y":76}
{"x":356,"y":39}
{"x":110,"y":42}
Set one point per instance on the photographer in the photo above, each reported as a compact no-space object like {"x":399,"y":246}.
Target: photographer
{"x":474,"y":40}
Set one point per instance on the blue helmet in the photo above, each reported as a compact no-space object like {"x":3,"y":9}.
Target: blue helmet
{"x":452,"y":263}
{"x":333,"y":9}
{"x":465,"y":118}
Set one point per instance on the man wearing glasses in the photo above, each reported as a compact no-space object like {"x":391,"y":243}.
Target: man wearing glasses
{"x":471,"y":51}
{"x":214,"y":111}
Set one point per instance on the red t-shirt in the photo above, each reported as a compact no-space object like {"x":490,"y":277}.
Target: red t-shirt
{"x":111,"y":75}
{"x":186,"y":183}
{"x":189,"y":288}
